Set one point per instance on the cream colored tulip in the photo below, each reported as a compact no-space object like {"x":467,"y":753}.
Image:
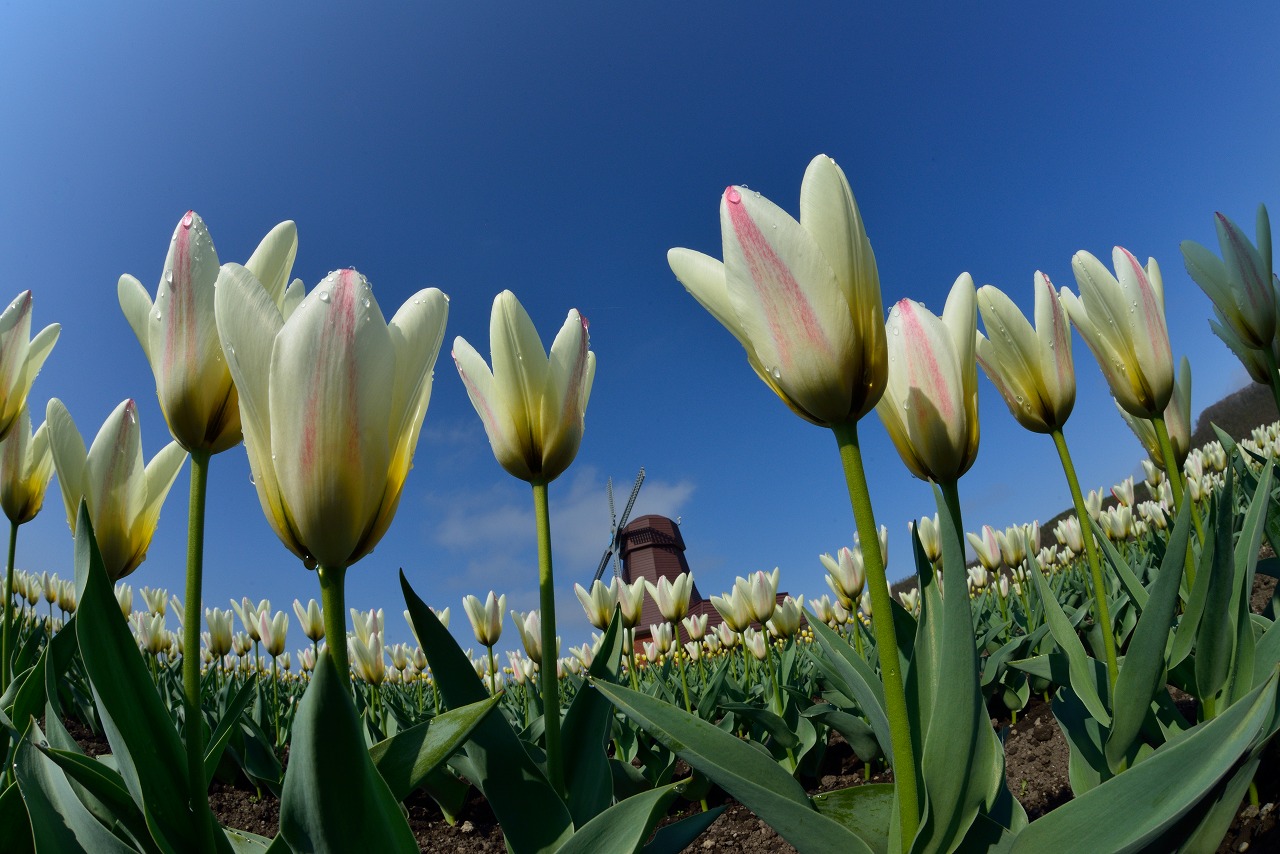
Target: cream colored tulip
{"x":599,"y":602}
{"x":1031,"y":368}
{"x":21,"y":357}
{"x":485,"y":617}
{"x":123,"y":497}
{"x":672,"y":597}
{"x":26,"y":466}
{"x":1241,"y":284}
{"x":179,"y":334}
{"x":930,"y":406}
{"x":310,"y":619}
{"x":532,"y":403}
{"x":331,"y":402}
{"x":1121,"y":318}
{"x":802,"y":298}
{"x":733,"y":609}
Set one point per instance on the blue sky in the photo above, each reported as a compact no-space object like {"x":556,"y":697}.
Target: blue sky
{"x":559,"y":151}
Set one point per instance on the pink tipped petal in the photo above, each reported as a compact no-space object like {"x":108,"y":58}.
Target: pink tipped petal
{"x":115,"y":485}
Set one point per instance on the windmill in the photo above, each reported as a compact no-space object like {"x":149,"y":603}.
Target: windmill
{"x":616,"y":524}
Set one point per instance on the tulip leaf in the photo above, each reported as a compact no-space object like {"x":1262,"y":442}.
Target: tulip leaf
{"x":1132,"y":584}
{"x":104,"y":785}
{"x":867,"y":810}
{"x":147,"y":752}
{"x":227,"y":727}
{"x":856,"y":680}
{"x":1128,"y":811}
{"x":860,"y":737}
{"x":59,"y":821}
{"x":1143,"y":673}
{"x":30,"y":699}
{"x":15,"y":821}
{"x":1184,"y":636}
{"x":679,"y":835}
{"x":532,"y":815}
{"x":745,"y":772}
{"x":1064,"y":633}
{"x":585,"y":733}
{"x":407,"y":758}
{"x":624,"y":826}
{"x":333,"y":798}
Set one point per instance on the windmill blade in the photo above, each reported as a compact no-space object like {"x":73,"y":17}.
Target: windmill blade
{"x":631,"y":501}
{"x":604,"y":561}
{"x":622,"y":523}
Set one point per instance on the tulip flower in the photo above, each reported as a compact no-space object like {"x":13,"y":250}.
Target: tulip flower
{"x":733,"y":609}
{"x":21,"y":357}
{"x":249,"y":615}
{"x":1121,"y":319}
{"x":1013,"y":544}
{"x":928,"y":533}
{"x":123,"y":497}
{"x":760,"y":592}
{"x":219,"y":631}
{"x":987,"y":547}
{"x":756,"y":643}
{"x":631,"y":601}
{"x":599,"y":603}
{"x":802,"y":298}
{"x":930,"y":407}
{"x":26,"y":465}
{"x":532,"y":405}
{"x":1031,"y":368}
{"x":1241,"y":284}
{"x":1069,"y":534}
{"x":310,"y":620}
{"x":124,"y":598}
{"x":331,"y":403}
{"x":845,"y":575}
{"x":695,"y":627}
{"x":273,"y":631}
{"x":485,"y":617}
{"x":672,"y":597}
{"x":179,"y":335}
{"x":155,"y":598}
{"x":368,"y":658}
{"x":786,"y":618}
{"x":366,"y":623}
{"x":530,"y":628}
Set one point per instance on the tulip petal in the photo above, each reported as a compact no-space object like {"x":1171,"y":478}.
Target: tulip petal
{"x":703,"y":277}
{"x":293,"y":297}
{"x":565,"y":402}
{"x":135,"y":302}
{"x":1053,"y":334}
{"x":1010,"y":355}
{"x":115,"y":484}
{"x":478,"y":380}
{"x":1148,"y":333}
{"x":159,"y":477}
{"x":15,"y":339}
{"x":273,"y":260}
{"x":519,"y":371}
{"x":248,"y":322}
{"x":830,"y":214}
{"x":332,"y":375}
{"x":788,"y":303}
{"x":69,"y":456}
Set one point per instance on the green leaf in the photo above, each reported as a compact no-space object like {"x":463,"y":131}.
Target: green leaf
{"x":144,"y":744}
{"x":532,"y":815}
{"x":1081,"y":672}
{"x":857,"y":680}
{"x":15,"y":821}
{"x":854,"y":729}
{"x":226,"y":728}
{"x":773,"y":724}
{"x":59,"y":822}
{"x":1143,"y":673}
{"x":405,"y":760}
{"x":746,"y":773}
{"x":1126,"y":812}
{"x":623,"y":827}
{"x":679,"y":835}
{"x":333,"y":798}
{"x":585,"y":733}
{"x":867,"y":810}
{"x":1132,"y":585}
{"x":104,"y":784}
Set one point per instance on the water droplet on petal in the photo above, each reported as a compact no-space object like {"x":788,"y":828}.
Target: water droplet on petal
{"x":186,"y":220}
{"x":733,"y":196}
{"x":366,"y":302}
{"x":156,"y":315}
{"x":324,"y":296}
{"x":896,"y":331}
{"x":776,"y":374}
{"x":168,"y":276}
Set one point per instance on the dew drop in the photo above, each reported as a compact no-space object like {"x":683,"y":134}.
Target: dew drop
{"x":186,"y":220}
{"x":251,"y":479}
{"x":366,"y":302}
{"x":776,"y":374}
{"x":156,"y":315}
{"x":324,"y":296}
{"x":733,"y":196}
{"x":168,"y":276}
{"x":896,"y":331}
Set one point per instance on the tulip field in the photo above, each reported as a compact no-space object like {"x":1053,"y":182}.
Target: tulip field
{"x":1130,"y":621}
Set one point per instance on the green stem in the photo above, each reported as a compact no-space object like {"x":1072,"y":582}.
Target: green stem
{"x":547,"y":672}
{"x":895,"y":698}
{"x":676,"y":652}
{"x":191,"y":647}
{"x":1171,"y":468}
{"x":493,"y":672}
{"x":334,"y":605}
{"x":7,"y":652}
{"x":1095,"y":561}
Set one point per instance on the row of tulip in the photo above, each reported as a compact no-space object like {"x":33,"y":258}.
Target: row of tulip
{"x":239,"y":353}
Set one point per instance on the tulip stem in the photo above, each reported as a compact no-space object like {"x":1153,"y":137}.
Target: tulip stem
{"x":549,"y":683}
{"x":895,"y":697}
{"x":1176,"y":483}
{"x":7,"y":649}
{"x":333,"y":602}
{"x":193,"y":712}
{"x":1095,"y":561}
{"x":1273,"y":374}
